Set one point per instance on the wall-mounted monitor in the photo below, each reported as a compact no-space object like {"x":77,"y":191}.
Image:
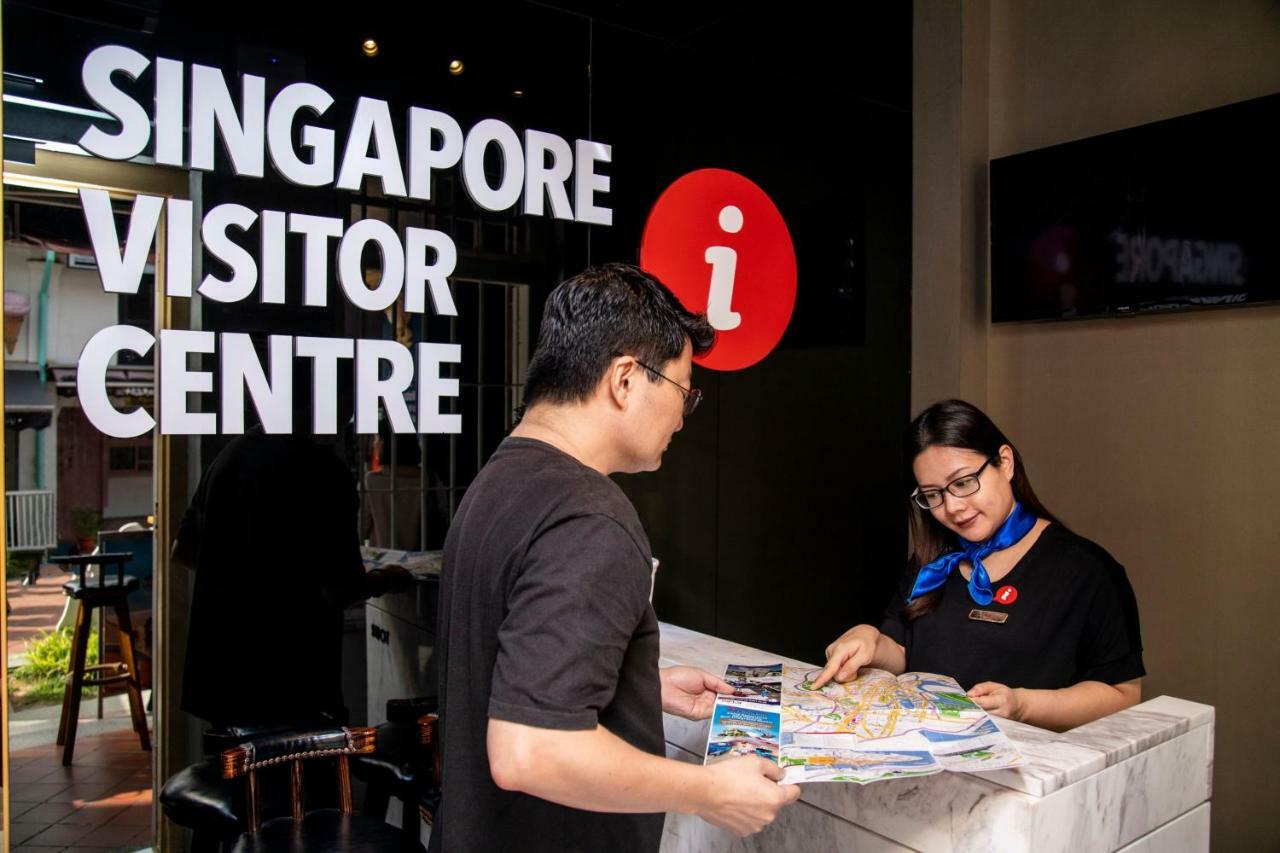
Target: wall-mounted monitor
{"x":1178,"y":214}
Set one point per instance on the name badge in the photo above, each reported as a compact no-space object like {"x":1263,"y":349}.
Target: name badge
{"x":988,"y":616}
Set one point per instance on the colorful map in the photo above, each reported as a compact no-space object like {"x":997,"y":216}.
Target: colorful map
{"x":879,"y":726}
{"x":906,"y":725}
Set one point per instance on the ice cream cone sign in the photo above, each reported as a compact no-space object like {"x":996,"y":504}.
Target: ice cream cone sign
{"x":16,"y":308}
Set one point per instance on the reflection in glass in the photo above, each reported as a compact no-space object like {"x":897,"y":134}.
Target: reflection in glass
{"x":69,"y":490}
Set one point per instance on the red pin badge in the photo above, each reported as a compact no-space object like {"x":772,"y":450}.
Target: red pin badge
{"x":1006,"y":594}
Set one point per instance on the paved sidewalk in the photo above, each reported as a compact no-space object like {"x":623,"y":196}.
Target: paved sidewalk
{"x":35,"y":608}
{"x":38,"y":725}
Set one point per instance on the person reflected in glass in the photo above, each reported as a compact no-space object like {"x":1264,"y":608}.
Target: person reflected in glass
{"x":1038,"y":623}
{"x":272,"y":534}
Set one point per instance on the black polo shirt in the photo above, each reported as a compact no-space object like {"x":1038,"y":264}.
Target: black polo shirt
{"x":545,"y":620}
{"x":1072,"y":617}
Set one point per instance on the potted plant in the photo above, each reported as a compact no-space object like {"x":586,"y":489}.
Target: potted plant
{"x":86,"y":521}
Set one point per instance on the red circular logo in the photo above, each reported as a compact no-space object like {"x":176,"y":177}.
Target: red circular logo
{"x":1006,"y":594}
{"x":722,"y":247}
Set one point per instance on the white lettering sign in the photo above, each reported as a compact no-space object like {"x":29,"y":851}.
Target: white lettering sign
{"x":252,"y":247}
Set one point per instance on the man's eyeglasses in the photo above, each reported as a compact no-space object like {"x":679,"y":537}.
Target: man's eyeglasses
{"x":961,"y":487}
{"x":692,"y":396}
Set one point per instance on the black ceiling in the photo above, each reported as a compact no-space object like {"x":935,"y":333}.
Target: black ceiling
{"x":860,"y":50}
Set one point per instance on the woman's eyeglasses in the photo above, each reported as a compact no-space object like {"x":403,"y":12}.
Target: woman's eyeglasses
{"x":961,"y":487}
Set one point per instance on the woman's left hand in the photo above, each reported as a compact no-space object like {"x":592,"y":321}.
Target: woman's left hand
{"x":999,"y":699}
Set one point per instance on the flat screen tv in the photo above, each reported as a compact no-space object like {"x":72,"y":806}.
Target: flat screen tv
{"x":1178,"y":214}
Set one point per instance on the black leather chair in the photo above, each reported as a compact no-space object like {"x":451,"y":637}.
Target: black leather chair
{"x":200,"y":799}
{"x":405,"y":765}
{"x":318,"y":830}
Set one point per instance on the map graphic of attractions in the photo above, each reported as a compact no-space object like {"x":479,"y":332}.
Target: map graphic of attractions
{"x":879,"y":726}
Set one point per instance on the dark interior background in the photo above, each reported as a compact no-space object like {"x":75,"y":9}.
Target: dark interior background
{"x":779,"y":511}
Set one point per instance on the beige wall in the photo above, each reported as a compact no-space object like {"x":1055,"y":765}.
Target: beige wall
{"x":1159,"y":437}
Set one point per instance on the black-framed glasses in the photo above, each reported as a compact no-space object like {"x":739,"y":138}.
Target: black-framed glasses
{"x":961,"y":487}
{"x":692,"y":396}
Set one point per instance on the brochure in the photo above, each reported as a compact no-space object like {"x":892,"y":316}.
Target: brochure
{"x":421,"y":563}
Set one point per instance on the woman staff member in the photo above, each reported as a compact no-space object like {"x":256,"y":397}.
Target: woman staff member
{"x":1039,"y":624}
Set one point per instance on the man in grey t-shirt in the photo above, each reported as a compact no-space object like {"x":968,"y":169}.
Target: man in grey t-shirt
{"x":550,"y":693}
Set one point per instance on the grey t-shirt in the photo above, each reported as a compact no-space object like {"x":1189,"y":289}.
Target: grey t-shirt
{"x":544,"y":620}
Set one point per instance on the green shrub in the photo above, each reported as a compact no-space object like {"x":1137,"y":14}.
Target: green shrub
{"x":16,"y":565}
{"x":43,"y":677}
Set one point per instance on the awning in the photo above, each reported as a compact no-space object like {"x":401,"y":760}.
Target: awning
{"x":24,"y":390}
{"x":134,"y":379}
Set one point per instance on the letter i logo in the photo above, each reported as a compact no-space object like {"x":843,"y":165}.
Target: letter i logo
{"x":724,"y":264}
{"x":718,"y":241}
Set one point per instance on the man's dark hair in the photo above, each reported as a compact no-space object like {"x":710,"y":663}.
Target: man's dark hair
{"x":607,"y":311}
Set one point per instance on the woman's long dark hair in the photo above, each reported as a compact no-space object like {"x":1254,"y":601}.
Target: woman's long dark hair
{"x":953,"y":423}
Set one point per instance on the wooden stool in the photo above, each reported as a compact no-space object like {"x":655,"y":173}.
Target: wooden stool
{"x":113,"y":593}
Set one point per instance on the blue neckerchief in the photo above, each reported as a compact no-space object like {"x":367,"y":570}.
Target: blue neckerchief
{"x":934,"y":575}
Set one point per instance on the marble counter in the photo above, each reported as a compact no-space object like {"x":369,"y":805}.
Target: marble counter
{"x":1138,"y":780}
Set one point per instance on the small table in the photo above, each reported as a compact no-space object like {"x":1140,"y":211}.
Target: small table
{"x":113,"y":593}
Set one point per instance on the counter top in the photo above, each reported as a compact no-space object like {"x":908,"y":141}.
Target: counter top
{"x":1099,"y":787}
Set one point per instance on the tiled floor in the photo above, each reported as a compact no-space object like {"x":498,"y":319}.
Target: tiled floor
{"x":102,"y":802}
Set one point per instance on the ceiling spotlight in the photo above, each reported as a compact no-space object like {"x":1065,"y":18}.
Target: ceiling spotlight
{"x":456,"y":67}
{"x":517,"y":93}
{"x":370,"y":47}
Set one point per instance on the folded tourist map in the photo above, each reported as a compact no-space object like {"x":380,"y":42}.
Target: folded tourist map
{"x":879,"y":726}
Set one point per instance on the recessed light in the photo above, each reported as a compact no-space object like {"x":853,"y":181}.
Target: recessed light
{"x":456,"y":67}
{"x":370,"y":47}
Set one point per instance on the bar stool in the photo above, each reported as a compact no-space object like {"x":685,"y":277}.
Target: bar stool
{"x":113,"y":593}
